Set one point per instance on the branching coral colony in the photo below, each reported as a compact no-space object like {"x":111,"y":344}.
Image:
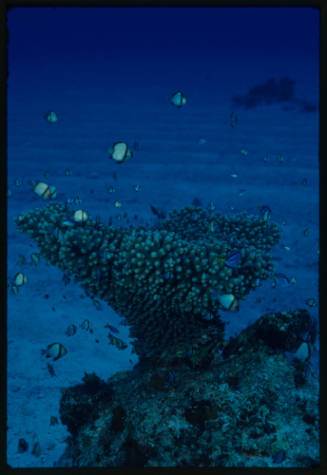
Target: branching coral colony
{"x":168,"y":282}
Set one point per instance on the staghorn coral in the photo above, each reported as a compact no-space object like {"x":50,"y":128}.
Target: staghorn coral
{"x":165,"y":281}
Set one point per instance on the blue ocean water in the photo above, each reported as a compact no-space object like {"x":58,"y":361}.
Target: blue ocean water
{"x":247,"y":137}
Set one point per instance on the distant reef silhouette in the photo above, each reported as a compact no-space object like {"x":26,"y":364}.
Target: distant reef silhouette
{"x":273,"y":92}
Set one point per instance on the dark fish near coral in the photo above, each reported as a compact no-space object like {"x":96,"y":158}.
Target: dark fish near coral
{"x":35,"y":258}
{"x":51,"y":369}
{"x":155,"y":211}
{"x":111,"y":328}
{"x":233,"y":259}
{"x":196,"y":202}
{"x":97,"y":304}
{"x":54,"y":351}
{"x":117,"y":342}
{"x":311,"y":302}
{"x":71,"y":330}
{"x":66,"y":279}
{"x":14,"y":289}
{"x":280,"y":280}
{"x":36,"y":450}
{"x":265,"y":212}
{"x":22,"y":446}
{"x":86,"y":325}
{"x":53,"y":421}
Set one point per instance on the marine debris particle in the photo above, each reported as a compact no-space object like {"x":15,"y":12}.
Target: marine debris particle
{"x":233,"y":119}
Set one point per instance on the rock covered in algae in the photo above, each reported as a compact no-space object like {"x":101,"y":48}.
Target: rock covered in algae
{"x":241,"y":411}
{"x":167,"y":281}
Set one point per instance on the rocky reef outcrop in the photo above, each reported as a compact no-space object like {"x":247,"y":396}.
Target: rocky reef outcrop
{"x":248,"y":405}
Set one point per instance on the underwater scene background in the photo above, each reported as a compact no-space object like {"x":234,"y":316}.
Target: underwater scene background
{"x":137,"y":137}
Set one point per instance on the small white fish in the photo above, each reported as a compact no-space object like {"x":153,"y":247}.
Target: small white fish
{"x":304,"y":351}
{"x":20,"y":279}
{"x":80,"y":216}
{"x":227,"y":301}
{"x":51,"y":117}
{"x":120,"y":152}
{"x":54,"y":351}
{"x":45,"y":191}
{"x":178,"y":99}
